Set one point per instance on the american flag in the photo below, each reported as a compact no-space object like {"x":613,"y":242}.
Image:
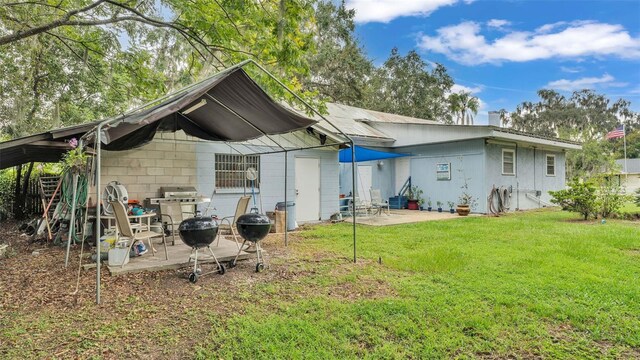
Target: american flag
{"x":616,"y":133}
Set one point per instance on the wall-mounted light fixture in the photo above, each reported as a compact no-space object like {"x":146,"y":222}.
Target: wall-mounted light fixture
{"x":380,"y":163}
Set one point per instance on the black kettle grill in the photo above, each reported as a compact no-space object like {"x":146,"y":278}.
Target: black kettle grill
{"x":199,"y":232}
{"x":253,"y":227}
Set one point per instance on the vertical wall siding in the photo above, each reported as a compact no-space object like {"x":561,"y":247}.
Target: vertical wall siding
{"x":531,"y":176}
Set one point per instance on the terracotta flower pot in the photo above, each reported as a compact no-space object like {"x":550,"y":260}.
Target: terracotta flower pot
{"x":463,"y":210}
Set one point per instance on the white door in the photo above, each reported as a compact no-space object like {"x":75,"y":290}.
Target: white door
{"x":402,"y":172}
{"x":364,"y":182}
{"x":307,"y":189}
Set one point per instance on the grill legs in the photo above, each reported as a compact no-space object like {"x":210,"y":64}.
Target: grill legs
{"x":197,"y":272}
{"x":259,"y":256}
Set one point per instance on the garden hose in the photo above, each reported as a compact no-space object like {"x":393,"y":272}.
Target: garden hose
{"x":81,"y":195}
{"x":499,"y":200}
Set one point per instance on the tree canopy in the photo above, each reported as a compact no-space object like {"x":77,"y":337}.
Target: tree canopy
{"x":583,"y":116}
{"x":72,"y":61}
{"x":407,"y":85}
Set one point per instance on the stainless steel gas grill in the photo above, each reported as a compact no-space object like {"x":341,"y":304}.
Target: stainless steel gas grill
{"x":187,"y":196}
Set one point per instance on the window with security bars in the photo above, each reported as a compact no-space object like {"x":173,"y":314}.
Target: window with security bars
{"x":231,"y":169}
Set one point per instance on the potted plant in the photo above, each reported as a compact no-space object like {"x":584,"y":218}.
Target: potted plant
{"x":429,"y":205}
{"x":466,"y":201}
{"x":451,"y":203}
{"x":74,"y":161}
{"x":439,"y":203}
{"x":415,"y":198}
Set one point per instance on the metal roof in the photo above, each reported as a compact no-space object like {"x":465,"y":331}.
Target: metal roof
{"x":633,"y":166}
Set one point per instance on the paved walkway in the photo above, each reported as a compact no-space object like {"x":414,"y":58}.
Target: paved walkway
{"x":405,"y":217}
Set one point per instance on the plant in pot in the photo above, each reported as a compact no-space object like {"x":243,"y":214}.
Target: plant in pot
{"x":439,"y":204}
{"x":415,"y":198}
{"x":466,"y":201}
{"x":74,"y":160}
{"x":429,"y":204}
{"x":451,"y":204}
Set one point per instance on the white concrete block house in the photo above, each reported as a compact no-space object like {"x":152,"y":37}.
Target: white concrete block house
{"x":175,"y":159}
{"x":443,"y":156}
{"x":486,"y":156}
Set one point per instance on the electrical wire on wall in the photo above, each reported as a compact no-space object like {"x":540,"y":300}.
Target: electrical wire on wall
{"x":499,"y":200}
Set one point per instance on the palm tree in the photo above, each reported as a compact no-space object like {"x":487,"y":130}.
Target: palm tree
{"x":464,"y":107}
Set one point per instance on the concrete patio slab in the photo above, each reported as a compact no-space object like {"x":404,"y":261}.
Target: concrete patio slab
{"x":179,"y":257}
{"x":397,"y":217}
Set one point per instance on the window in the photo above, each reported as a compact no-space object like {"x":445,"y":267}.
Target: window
{"x":508,"y":162}
{"x":231,"y":171}
{"x":551,"y":165}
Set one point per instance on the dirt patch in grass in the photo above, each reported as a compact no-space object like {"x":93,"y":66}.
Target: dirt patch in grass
{"x":151,"y":315}
{"x":634,"y":252}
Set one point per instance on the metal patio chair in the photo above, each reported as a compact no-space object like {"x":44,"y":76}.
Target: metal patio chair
{"x":377,"y":203}
{"x":172,"y":211}
{"x":228,"y":224}
{"x":126,"y":230}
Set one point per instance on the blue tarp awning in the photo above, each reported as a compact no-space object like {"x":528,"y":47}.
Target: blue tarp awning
{"x":364,"y":154}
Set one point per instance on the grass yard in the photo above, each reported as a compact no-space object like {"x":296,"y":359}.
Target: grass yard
{"x":529,"y":285}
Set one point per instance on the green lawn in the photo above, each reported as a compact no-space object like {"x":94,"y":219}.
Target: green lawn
{"x":530,"y":285}
{"x":526,"y":285}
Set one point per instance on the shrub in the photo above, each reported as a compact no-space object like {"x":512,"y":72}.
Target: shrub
{"x":637,"y":200}
{"x":580,"y":197}
{"x":610,"y":197}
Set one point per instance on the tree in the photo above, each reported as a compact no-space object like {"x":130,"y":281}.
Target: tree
{"x":584,"y":116}
{"x":339,"y":69}
{"x":594,"y":158}
{"x":404,"y":85}
{"x":75,"y":61}
{"x":464,"y":107}
{"x":633,"y":145}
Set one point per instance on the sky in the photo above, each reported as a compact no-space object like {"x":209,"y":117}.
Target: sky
{"x":504,"y":51}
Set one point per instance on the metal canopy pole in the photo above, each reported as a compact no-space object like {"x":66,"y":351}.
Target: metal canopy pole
{"x":98,"y":199}
{"x":73,"y":218}
{"x":353,"y":197}
{"x":286,"y":210}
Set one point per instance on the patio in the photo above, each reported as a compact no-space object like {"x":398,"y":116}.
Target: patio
{"x":179,"y":257}
{"x":397,"y":217}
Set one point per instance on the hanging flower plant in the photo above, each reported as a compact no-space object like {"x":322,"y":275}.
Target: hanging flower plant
{"x":75,"y":159}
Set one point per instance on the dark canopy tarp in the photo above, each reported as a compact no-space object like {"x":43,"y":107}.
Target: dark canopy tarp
{"x":364,"y":154}
{"x":226,"y":107}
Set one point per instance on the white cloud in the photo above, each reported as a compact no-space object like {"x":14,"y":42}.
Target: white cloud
{"x":572,"y":70}
{"x":457,"y":88}
{"x":604,"y":81}
{"x":387,"y":10}
{"x":498,"y":23}
{"x":464,"y":43}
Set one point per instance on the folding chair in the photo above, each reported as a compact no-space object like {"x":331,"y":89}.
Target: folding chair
{"x":172,"y":210}
{"x":125,"y":229}
{"x":377,"y":202}
{"x":228,"y":224}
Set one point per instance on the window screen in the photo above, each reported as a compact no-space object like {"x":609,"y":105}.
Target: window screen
{"x":231,"y":170}
{"x":551,"y":165}
{"x":508,"y":162}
